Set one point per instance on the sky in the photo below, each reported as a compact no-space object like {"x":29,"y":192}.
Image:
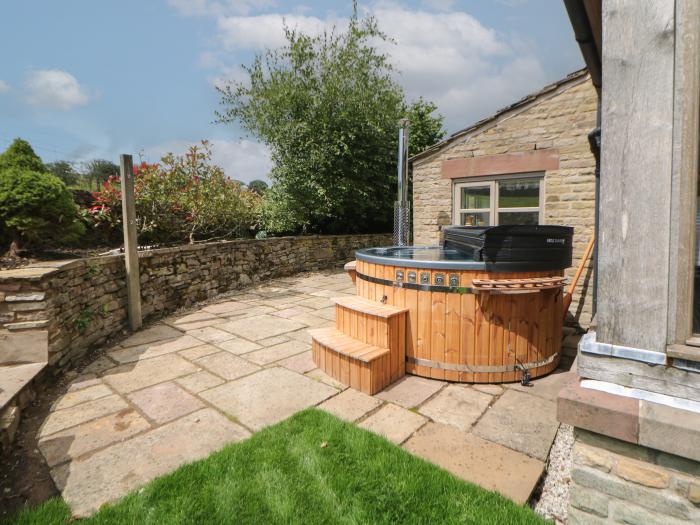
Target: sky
{"x":84,"y":79}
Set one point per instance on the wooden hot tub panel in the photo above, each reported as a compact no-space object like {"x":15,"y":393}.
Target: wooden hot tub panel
{"x":469,"y":335}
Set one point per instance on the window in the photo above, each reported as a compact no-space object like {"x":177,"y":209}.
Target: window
{"x":511,"y":200}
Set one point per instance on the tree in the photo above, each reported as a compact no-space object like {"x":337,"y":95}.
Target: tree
{"x":425,"y":129}
{"x":64,"y":171}
{"x":20,"y":154}
{"x":100,"y":170}
{"x":328,"y":109}
{"x":258,"y":186}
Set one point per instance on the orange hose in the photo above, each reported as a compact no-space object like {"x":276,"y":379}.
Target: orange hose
{"x":579,"y":271}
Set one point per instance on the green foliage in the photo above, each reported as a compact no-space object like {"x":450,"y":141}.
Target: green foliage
{"x":258,"y":186}
{"x":329,"y":111}
{"x":37,"y":208}
{"x":93,"y":270}
{"x":82,"y":322}
{"x":20,"y":154}
{"x":64,"y":171}
{"x":425,"y":128}
{"x":99,"y":171}
{"x":184,"y":198}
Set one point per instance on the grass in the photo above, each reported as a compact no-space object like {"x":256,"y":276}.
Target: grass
{"x":312,"y":468}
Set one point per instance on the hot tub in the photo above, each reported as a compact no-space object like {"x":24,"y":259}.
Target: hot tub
{"x":476,"y":321}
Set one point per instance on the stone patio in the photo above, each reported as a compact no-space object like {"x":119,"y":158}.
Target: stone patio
{"x":185,"y":387}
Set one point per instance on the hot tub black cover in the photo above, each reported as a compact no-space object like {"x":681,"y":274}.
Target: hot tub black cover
{"x":548,"y":244}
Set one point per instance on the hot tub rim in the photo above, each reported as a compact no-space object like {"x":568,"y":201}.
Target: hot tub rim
{"x":485,"y":266}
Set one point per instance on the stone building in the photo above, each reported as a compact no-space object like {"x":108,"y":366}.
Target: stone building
{"x":635,"y":406}
{"x":529,"y":163}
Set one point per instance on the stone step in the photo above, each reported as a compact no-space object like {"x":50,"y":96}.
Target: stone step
{"x":13,"y":378}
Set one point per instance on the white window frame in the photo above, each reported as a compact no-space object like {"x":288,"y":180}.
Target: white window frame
{"x":493,"y":184}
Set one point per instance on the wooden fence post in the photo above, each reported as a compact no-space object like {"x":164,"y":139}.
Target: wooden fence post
{"x":131,"y":258}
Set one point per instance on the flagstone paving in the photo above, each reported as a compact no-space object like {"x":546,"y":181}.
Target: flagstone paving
{"x":188,"y":385}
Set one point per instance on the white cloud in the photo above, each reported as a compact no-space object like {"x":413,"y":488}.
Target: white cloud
{"x":228,"y":74}
{"x":243,"y":160}
{"x":450,"y":58}
{"x":54,"y":89}
{"x":4,"y":86}
{"x":218,"y":8}
{"x":440,"y":52}
{"x":265,"y":31}
{"x":440,"y":5}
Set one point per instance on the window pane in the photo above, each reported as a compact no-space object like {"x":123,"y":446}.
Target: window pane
{"x":476,"y":197}
{"x":475,"y":219}
{"x":520,"y":193}
{"x":518,"y":217}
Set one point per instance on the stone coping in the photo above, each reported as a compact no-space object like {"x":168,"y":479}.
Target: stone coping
{"x":37,"y":271}
{"x":639,"y":421}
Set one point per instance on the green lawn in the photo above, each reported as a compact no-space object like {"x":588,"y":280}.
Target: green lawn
{"x":311,"y":468}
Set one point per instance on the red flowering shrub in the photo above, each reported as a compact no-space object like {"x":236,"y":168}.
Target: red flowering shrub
{"x":184,"y":198}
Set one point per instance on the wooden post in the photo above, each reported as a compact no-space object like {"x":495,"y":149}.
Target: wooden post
{"x":131,"y":258}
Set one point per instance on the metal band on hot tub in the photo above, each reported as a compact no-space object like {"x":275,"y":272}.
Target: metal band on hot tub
{"x":480,"y":368}
{"x":416,"y":286}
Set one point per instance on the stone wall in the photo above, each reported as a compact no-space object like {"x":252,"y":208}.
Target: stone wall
{"x":83,"y":303}
{"x":618,"y":482}
{"x":558,"y":120}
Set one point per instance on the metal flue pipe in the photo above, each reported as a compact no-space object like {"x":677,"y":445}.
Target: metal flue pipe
{"x":403,"y":161}
{"x":402,"y":224}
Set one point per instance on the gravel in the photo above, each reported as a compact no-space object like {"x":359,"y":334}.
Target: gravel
{"x":554,"y":500}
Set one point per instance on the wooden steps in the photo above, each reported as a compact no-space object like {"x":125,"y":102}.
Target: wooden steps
{"x":368,"y":307}
{"x":366,"y":349}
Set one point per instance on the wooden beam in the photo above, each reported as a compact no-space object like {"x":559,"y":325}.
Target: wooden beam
{"x":686,"y":122}
{"x":131,"y":258}
{"x":636,"y":172}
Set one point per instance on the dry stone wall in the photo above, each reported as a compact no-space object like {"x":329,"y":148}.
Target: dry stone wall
{"x":621,"y":483}
{"x":562,"y":121}
{"x":82,"y":303}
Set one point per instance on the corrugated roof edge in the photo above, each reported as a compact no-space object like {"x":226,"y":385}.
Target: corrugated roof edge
{"x":576,"y":75}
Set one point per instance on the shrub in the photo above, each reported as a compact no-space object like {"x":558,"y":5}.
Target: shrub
{"x":36,"y":208}
{"x":184,"y":198}
{"x":21,"y":155}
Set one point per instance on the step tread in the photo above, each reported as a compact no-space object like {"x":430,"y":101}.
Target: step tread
{"x":13,"y":378}
{"x":360,"y":304}
{"x":346,"y":345}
